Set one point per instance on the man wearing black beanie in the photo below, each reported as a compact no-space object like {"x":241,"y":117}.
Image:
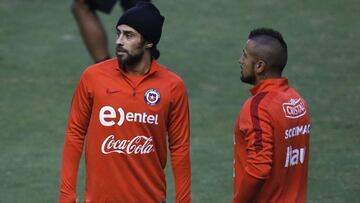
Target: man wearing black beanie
{"x":126,"y":110}
{"x":146,"y":20}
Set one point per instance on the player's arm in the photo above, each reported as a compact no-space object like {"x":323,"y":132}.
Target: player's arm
{"x":179,"y":143}
{"x":249,"y":187}
{"x":74,"y":139}
{"x":259,"y":147}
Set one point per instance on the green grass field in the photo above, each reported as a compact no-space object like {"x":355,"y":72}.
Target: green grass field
{"x":42,"y":57}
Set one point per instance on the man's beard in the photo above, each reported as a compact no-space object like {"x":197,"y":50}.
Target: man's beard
{"x":131,"y":60}
{"x":250,"y":79}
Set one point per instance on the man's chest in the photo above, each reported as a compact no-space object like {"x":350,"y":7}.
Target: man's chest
{"x":116,"y":102}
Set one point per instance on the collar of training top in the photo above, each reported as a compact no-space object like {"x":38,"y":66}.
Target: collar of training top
{"x":268,"y":85}
{"x":153,"y":68}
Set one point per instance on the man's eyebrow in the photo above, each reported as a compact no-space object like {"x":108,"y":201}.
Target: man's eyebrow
{"x":128,"y":32}
{"x":125,"y":31}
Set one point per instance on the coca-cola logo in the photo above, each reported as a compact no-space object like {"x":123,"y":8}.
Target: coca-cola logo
{"x":137,"y":145}
{"x":295,"y":108}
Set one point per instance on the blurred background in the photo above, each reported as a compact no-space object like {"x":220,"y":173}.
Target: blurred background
{"x":42,"y":56}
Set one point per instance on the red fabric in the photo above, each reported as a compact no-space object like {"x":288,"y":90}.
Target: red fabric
{"x":256,"y":120}
{"x":125,"y":137}
{"x":271,"y":145}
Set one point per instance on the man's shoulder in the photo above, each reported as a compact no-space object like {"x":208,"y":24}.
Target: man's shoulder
{"x":262,"y":101}
{"x":275,"y":101}
{"x":104,"y":66}
{"x":260,"y":97}
{"x":169,"y":75}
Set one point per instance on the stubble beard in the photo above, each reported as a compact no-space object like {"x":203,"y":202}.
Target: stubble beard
{"x":131,"y":60}
{"x":250,"y":79}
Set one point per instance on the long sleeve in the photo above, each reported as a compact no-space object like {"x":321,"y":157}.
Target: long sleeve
{"x":271,"y":145}
{"x":250,"y":186}
{"x":259,"y":148}
{"x":179,"y":143}
{"x":74,"y":140}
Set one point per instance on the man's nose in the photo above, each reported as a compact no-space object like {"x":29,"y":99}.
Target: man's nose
{"x":241,"y":59}
{"x":119,"y":40}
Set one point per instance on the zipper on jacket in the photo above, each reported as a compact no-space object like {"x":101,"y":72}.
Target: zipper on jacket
{"x":132,"y":86}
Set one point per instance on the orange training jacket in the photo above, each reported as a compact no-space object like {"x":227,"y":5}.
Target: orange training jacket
{"x":272,"y":145}
{"x":125,"y":128}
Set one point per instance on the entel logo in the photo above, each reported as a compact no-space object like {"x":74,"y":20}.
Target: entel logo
{"x":107,"y":115}
{"x":295,"y":108}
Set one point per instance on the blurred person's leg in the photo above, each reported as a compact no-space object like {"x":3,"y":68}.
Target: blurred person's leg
{"x":126,"y":4}
{"x":91,"y":28}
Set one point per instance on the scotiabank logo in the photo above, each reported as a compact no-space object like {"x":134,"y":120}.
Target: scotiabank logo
{"x":294,"y":156}
{"x":295,"y":108}
{"x":137,"y":145}
{"x":109,"y":117}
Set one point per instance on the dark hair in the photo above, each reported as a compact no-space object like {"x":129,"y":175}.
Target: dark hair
{"x":155,"y":53}
{"x":144,"y":18}
{"x":272,"y":38}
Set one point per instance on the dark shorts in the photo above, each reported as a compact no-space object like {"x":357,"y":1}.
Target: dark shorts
{"x":106,"y":6}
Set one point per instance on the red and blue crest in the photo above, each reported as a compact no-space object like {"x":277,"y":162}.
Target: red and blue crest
{"x":152,"y":97}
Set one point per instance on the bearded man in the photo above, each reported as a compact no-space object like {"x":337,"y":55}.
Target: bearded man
{"x":127,"y":109}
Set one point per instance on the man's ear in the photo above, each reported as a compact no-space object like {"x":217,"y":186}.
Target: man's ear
{"x":260,"y":67}
{"x":149,"y":45}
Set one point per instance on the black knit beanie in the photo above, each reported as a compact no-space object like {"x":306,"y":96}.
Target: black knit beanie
{"x":147,"y":20}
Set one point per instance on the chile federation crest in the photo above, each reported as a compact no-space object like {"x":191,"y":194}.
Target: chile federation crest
{"x":152,"y":97}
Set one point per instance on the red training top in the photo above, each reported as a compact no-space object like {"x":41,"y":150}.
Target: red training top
{"x":272,"y":145}
{"x":126,"y":123}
